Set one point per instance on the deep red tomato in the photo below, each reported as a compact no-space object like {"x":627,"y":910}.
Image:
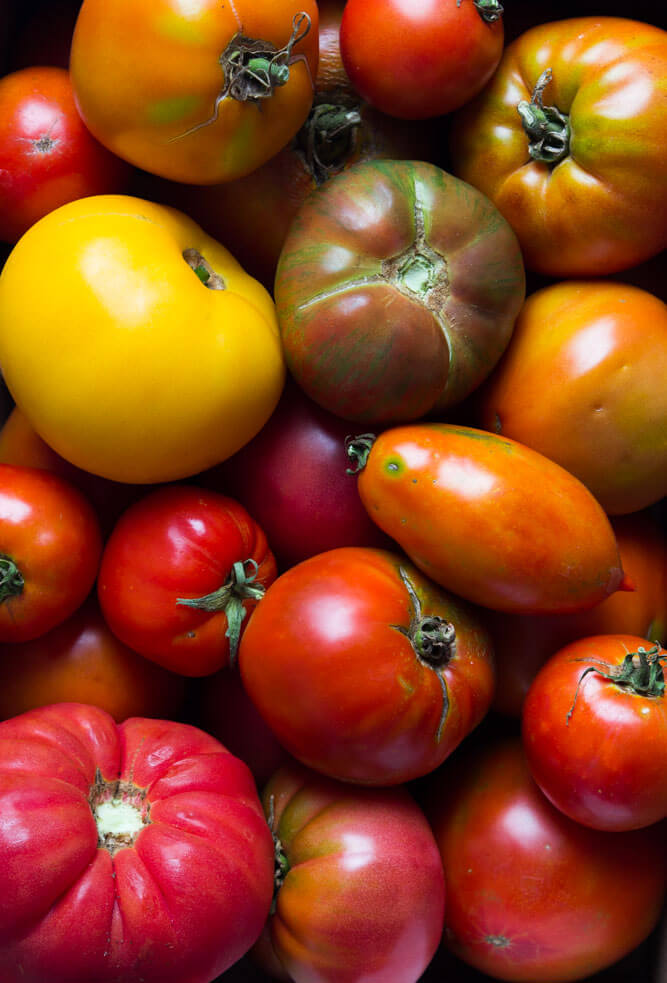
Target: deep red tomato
{"x":531,"y":895}
{"x":50,"y":547}
{"x":488,"y":518}
{"x":594,"y":728}
{"x":363,"y":668}
{"x":135,"y":851}
{"x":47,"y":156}
{"x":82,"y":661}
{"x":360,"y":888}
{"x":180,"y":571}
{"x":416,"y":60}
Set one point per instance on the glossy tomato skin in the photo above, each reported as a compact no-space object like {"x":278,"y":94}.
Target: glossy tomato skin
{"x":164,"y":571}
{"x":50,"y":545}
{"x":588,"y":392}
{"x":180,"y":899}
{"x":155,"y":102}
{"x":396,"y":289}
{"x":603,"y":207}
{"x":525,"y":884}
{"x":596,"y":746}
{"x":337,"y":659}
{"x":490,"y":519}
{"x":292,"y":477}
{"x":47,"y":156}
{"x":82,"y":661}
{"x":523,"y":643}
{"x":419,"y":60}
{"x":363,"y":894}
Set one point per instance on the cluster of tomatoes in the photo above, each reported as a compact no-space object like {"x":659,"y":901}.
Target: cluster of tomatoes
{"x":333,"y":573}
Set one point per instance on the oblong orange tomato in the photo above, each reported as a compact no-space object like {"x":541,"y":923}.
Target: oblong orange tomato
{"x":488,"y":518}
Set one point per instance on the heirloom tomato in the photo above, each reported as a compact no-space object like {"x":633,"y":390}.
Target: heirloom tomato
{"x":568,"y":140}
{"x":158,"y":355}
{"x":489,"y":519}
{"x":397,"y":289}
{"x":50,"y":547}
{"x":180,"y":572}
{"x":363,"y":668}
{"x":82,"y":661}
{"x":360,"y":889}
{"x":197,"y":92}
{"x":589,"y":393}
{"x":134,"y":852}
{"x":415,"y":60}
{"x":532,"y":896}
{"x":594,"y":729}
{"x":47,"y":156}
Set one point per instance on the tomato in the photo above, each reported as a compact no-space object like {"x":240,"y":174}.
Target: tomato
{"x":47,"y":156}
{"x":531,"y":895}
{"x":416,"y":60}
{"x":594,"y":728}
{"x":180,"y":571}
{"x":50,"y":547}
{"x":199,"y":92}
{"x":359,"y":885}
{"x":81,"y":661}
{"x":588,"y":392}
{"x":183,"y":367}
{"x":489,"y":519}
{"x":364,"y":669}
{"x":292,"y":479}
{"x":135,"y":851}
{"x":397,"y":289}
{"x":567,"y":139}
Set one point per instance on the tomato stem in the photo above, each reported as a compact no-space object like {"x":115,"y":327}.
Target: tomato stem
{"x":641,"y":672}
{"x":547,"y":128}
{"x":280,"y":862}
{"x":203,"y":270}
{"x":11,"y":579}
{"x":326,"y":138}
{"x":357,"y":449}
{"x":488,"y":10}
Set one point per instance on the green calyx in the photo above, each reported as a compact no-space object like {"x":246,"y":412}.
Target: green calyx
{"x":11,"y":579}
{"x":238,"y":588}
{"x":357,"y":449}
{"x":488,"y":10}
{"x":281,"y":865}
{"x":547,"y":129}
{"x":326,"y":139}
{"x":640,"y":672}
{"x":254,"y":68}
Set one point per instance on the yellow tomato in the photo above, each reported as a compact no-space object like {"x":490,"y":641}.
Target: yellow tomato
{"x":136,"y":345}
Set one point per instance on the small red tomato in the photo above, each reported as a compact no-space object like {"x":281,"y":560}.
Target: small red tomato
{"x":180,"y":571}
{"x":50,"y":547}
{"x":47,"y":156}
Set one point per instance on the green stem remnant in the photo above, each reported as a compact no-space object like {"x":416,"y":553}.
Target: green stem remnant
{"x":11,"y":579}
{"x":203,"y":269}
{"x":326,"y":139}
{"x":547,"y":129}
{"x":488,"y":10}
{"x":357,"y":449}
{"x":641,"y":672}
{"x":280,"y":862}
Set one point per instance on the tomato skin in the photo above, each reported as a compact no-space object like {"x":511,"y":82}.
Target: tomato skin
{"x":588,"y":392}
{"x":331,"y":660}
{"x":173,"y":905}
{"x":364,"y":894}
{"x":603,"y":208}
{"x":162,"y":76}
{"x":181,"y":543}
{"x":596,"y":748}
{"x":50,"y":532}
{"x":418,"y":60}
{"x":491,"y":520}
{"x":525,"y":883}
{"x":82,"y":661}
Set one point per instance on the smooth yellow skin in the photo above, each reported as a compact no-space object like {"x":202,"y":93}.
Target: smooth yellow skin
{"x":120,"y":357}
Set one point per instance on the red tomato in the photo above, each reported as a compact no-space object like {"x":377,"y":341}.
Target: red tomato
{"x":360,"y":887}
{"x":81,"y":661}
{"x":292,"y":479}
{"x":489,"y":519}
{"x":531,"y":895}
{"x":416,"y":60}
{"x":594,"y":729}
{"x":50,"y":547}
{"x":47,"y":156}
{"x":180,"y":571}
{"x":141,"y":852}
{"x":364,"y":669}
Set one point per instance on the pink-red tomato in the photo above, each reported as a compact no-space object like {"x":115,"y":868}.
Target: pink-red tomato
{"x":47,"y":156}
{"x":180,"y":572}
{"x":134,"y":852}
{"x":50,"y":547}
{"x":415,"y":60}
